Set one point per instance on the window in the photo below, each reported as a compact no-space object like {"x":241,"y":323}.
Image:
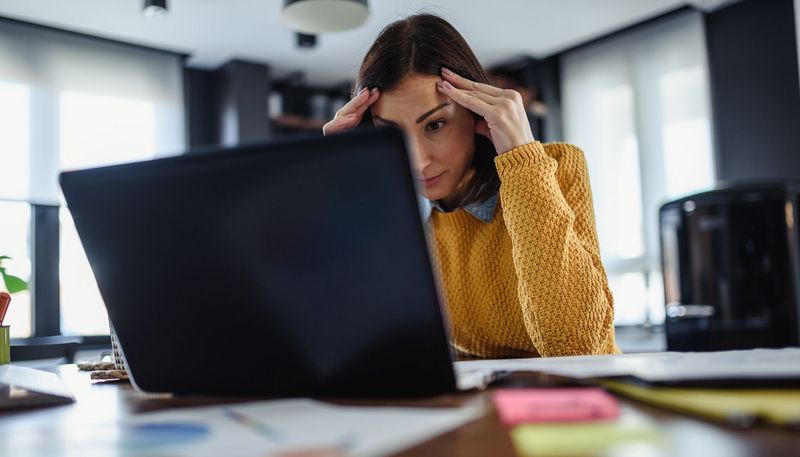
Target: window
{"x":95,"y":130}
{"x":14,"y":184}
{"x":14,"y":140}
{"x":66,"y":102}
{"x":638,"y":105}
{"x":14,"y":236}
{"x":686,"y":131}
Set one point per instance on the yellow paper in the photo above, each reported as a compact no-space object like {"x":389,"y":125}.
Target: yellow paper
{"x":582,"y":438}
{"x":733,"y":406}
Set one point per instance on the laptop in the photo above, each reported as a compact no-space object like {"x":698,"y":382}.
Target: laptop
{"x":293,"y":268}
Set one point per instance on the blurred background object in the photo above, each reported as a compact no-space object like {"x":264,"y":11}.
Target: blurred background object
{"x":522,"y":76}
{"x":731,"y":262}
{"x":155,"y":9}
{"x":325,"y":16}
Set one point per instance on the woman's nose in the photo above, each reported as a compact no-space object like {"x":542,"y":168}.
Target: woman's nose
{"x":419,"y":155}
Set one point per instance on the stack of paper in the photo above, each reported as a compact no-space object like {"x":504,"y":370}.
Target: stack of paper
{"x":735,"y":407}
{"x":742,"y":407}
{"x":572,"y":421}
{"x":778,"y":364}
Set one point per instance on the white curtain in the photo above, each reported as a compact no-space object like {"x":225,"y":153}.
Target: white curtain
{"x":70,"y":101}
{"x":66,"y":102}
{"x":638,"y":105}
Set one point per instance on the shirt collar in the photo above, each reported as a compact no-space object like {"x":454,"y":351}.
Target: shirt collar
{"x":484,"y":210}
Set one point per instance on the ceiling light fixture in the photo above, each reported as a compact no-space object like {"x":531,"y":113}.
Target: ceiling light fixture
{"x":155,"y":9}
{"x":324,"y":16}
{"x":306,"y":41}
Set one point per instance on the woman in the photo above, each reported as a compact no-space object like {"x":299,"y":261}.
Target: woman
{"x":513,"y":223}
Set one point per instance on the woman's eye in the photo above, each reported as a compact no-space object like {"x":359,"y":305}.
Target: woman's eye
{"x":435,"y":126}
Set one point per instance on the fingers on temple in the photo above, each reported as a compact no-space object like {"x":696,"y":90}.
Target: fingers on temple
{"x":465,"y":99}
{"x":488,"y":99}
{"x":360,"y":102}
{"x":467,"y":84}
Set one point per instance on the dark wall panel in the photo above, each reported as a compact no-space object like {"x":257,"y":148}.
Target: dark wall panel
{"x":755,"y":91}
{"x":227,"y":106}
{"x":202,"y":107}
{"x":550,"y":87}
{"x":246,"y":90}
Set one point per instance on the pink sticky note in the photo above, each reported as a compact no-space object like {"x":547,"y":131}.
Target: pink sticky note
{"x":517,"y":406}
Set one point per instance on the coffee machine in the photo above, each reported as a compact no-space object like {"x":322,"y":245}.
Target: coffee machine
{"x":731,"y":264}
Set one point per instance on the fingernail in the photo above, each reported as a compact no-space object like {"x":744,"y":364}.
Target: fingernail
{"x":447,"y":85}
{"x":373,"y":91}
{"x":361,"y":91}
{"x":446,"y":71}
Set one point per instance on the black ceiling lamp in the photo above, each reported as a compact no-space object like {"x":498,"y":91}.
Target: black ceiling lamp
{"x":324,"y":16}
{"x":155,"y":9}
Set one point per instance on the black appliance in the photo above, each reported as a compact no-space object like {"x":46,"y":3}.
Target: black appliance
{"x":731,"y":267}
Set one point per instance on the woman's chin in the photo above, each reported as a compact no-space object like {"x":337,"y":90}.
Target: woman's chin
{"x":432,"y":194}
{"x":443,"y":191}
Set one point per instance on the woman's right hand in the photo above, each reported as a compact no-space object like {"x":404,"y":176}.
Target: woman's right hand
{"x":349,"y":116}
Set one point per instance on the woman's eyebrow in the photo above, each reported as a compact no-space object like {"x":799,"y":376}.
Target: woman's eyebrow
{"x":385,"y":121}
{"x":424,"y":116}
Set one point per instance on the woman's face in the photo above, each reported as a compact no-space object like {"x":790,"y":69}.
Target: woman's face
{"x":439,"y":131}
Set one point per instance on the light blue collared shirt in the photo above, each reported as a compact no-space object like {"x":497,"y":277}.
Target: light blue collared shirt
{"x":484,"y":211}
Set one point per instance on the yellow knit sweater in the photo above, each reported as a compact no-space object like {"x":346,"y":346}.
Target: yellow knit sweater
{"x":530,"y":282}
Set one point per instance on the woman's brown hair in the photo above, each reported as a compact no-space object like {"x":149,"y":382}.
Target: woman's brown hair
{"x":423,"y":44}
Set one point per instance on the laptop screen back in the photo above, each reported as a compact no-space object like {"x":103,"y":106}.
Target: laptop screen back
{"x":295,"y":268}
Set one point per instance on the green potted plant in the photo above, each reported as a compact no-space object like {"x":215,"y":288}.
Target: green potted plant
{"x":13,"y":283}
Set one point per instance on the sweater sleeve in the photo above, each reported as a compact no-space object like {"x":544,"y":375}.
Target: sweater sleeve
{"x":546,"y":200}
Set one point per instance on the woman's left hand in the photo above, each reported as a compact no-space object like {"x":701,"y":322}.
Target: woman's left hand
{"x":504,"y":121}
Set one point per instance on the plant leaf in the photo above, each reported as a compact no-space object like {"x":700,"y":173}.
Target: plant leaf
{"x":5,"y":257}
{"x":14,"y":284}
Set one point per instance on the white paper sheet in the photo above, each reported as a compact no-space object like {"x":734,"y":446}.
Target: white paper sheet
{"x":258,"y":429}
{"x":659,"y":366}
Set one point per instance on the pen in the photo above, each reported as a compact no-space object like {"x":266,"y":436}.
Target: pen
{"x":5,"y":299}
{"x":257,"y":426}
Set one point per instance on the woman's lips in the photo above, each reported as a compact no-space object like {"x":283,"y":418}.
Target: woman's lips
{"x":432,"y":181}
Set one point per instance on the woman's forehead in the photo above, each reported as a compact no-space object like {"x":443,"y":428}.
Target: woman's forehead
{"x":413,"y":96}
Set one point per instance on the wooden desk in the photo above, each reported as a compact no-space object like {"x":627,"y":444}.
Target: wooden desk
{"x":686,"y":436}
